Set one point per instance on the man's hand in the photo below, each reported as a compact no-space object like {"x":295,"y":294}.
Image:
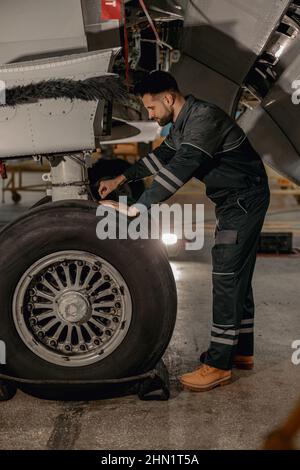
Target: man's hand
{"x":122,"y":208}
{"x":107,"y":186}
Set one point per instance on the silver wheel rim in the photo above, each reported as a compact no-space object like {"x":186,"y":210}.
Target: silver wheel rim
{"x":72,"y":308}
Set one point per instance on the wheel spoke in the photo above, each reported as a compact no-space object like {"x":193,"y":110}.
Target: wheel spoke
{"x":96,"y":323}
{"x":69,"y":334}
{"x":88,"y":279}
{"x":79,"y":334}
{"x":88,"y":330}
{"x":108,"y":316}
{"x":42,"y":316}
{"x":67,"y":275}
{"x":58,"y":332}
{"x":46,"y":296}
{"x":51,"y":323}
{"x":96,"y":285}
{"x":58,"y":280}
{"x":78,"y":276}
{"x":49,"y":286}
{"x":103,"y":304}
{"x":103,"y":293}
{"x":48,"y":306}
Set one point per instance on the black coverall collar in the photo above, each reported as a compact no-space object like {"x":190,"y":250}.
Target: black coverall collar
{"x":190,"y":100}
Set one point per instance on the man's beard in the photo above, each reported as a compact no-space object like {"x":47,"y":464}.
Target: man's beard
{"x":164,"y":121}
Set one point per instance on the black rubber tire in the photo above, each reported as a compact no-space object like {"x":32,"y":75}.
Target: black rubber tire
{"x":142,"y":263}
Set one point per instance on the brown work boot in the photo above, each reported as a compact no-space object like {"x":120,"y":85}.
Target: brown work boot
{"x":205,"y":378}
{"x":240,"y":362}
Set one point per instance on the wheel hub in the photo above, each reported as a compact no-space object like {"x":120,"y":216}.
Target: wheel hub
{"x":73,"y":307}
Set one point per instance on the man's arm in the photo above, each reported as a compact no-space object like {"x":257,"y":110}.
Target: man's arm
{"x":174,"y":175}
{"x":152,"y":163}
{"x":147,"y":166}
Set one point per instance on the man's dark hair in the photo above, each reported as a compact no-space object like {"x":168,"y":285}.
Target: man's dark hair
{"x":156,"y":82}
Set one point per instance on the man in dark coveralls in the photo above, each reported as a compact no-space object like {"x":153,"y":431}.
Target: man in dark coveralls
{"x":204,"y":142}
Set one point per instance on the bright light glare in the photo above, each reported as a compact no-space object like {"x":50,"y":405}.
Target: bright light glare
{"x":169,"y":238}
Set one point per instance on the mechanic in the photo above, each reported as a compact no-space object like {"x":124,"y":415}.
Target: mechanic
{"x":204,"y":142}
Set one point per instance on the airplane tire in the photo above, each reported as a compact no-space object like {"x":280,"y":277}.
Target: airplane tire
{"x":59,"y":321}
